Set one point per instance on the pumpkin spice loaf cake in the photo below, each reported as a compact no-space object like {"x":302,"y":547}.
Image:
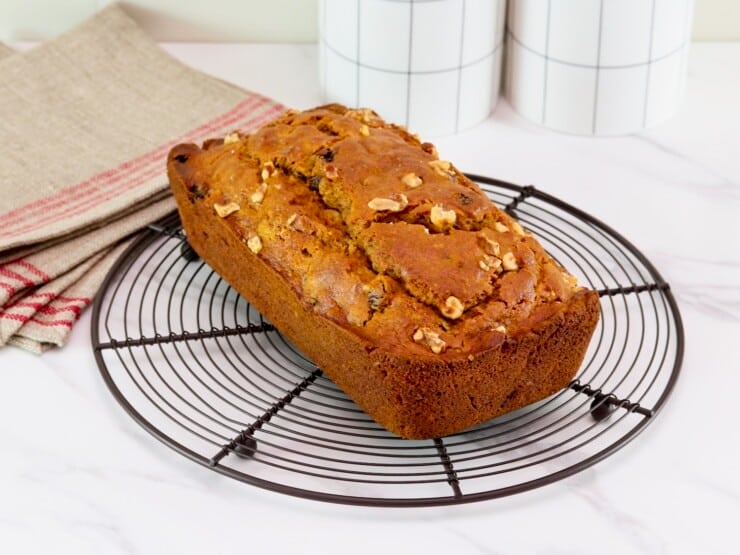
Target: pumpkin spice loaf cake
{"x":430,"y":307}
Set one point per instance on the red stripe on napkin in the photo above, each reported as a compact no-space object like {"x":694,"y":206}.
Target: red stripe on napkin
{"x":9,"y":288}
{"x":45,"y":309}
{"x":154,"y":168}
{"x":113,"y":175}
{"x":31,"y":268}
{"x":26,"y":282}
{"x":63,"y":304}
{"x":4,"y":271}
{"x":7,"y":272}
{"x":59,"y":297}
{"x":85,"y":300}
{"x":24,"y":319}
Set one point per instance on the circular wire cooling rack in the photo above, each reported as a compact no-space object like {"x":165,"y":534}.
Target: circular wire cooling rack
{"x":200,"y":369}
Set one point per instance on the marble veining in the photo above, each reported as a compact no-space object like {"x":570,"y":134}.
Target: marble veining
{"x":719,"y":183}
{"x":708,"y":285}
{"x":636,"y":533}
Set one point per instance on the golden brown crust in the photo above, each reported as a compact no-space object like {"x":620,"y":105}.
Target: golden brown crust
{"x":431,"y":319}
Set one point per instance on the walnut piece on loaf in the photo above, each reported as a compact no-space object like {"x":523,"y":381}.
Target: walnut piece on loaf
{"x":429,"y":306}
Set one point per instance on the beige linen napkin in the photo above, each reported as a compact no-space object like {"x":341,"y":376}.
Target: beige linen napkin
{"x":87,"y":121}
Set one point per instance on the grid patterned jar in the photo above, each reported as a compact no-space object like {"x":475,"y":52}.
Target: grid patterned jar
{"x":433,"y":65}
{"x":597,"y":67}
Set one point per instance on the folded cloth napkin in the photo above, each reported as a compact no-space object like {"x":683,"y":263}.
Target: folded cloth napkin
{"x":87,"y":121}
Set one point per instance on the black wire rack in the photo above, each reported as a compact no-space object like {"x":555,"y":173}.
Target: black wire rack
{"x":202,"y":371}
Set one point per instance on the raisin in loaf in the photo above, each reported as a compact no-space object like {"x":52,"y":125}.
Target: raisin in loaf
{"x":430,"y":307}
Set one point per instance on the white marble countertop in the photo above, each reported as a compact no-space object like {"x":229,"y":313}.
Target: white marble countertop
{"x":77,"y":475}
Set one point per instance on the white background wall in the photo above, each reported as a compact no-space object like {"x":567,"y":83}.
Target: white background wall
{"x":250,"y":20}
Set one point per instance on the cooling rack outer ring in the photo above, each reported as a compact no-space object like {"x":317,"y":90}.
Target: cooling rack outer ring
{"x":140,"y":244}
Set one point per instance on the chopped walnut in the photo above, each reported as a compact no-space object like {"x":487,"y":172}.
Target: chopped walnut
{"x":381,"y":204}
{"x":364,"y":130}
{"x":509,"y":262}
{"x":500,"y":329}
{"x":489,"y":262}
{"x":501,"y":228}
{"x":571,"y":280}
{"x":259,"y":195}
{"x":441,"y":218}
{"x":386,"y":204}
{"x":431,"y":339}
{"x":411,"y":180}
{"x":453,"y":308}
{"x":518,"y":229}
{"x":429,"y":148}
{"x":224,"y":210}
{"x":268,"y":170}
{"x":255,"y":244}
{"x":331,"y":172}
{"x":363,"y":114}
{"x":231,"y":138}
{"x":442,"y":167}
{"x":495,"y":248}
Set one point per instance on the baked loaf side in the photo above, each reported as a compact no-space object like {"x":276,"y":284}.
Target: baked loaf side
{"x":429,"y":306}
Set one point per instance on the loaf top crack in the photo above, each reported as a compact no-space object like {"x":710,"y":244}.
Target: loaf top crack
{"x":376,"y":233}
